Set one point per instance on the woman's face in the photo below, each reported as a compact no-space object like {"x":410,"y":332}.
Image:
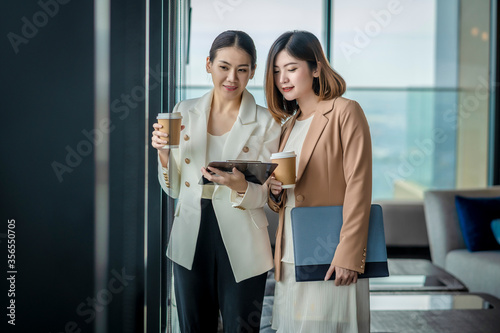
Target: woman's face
{"x":231,"y":70}
{"x":292,"y":77}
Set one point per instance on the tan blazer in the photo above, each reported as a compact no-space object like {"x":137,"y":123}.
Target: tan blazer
{"x":335,"y":168}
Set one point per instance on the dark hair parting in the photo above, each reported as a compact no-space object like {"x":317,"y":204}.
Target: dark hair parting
{"x":234,"y":38}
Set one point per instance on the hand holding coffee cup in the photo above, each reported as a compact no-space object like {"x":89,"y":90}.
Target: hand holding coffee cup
{"x":275,"y":186}
{"x":285,"y":172}
{"x":167,"y":131}
{"x":158,"y":140}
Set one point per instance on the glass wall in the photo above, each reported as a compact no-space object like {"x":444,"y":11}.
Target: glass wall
{"x":420,"y":70}
{"x":263,"y":20}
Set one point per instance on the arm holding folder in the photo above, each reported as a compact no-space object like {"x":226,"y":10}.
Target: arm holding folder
{"x":335,"y":170}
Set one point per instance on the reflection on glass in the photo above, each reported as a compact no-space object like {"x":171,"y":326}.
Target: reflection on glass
{"x":398,"y":282}
{"x":427,"y":302}
{"x":419,"y":69}
{"x":402,"y":64}
{"x":263,"y":20}
{"x":413,"y":140}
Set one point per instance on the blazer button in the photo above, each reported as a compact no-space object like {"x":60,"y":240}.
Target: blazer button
{"x":245,"y":149}
{"x":187,"y":160}
{"x":187,"y":184}
{"x":300,"y":198}
{"x":186,"y":137}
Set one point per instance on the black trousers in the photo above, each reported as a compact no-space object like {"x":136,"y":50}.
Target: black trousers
{"x":211,"y":286}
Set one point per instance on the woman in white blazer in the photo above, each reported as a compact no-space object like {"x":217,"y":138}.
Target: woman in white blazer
{"x":219,"y":241}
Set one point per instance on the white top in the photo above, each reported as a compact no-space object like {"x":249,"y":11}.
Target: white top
{"x":294,"y":143}
{"x":215,"y":145}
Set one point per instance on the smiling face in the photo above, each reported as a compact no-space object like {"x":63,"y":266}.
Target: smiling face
{"x":231,"y":70}
{"x":293,"y":77}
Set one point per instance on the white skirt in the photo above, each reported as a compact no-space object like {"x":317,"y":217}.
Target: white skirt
{"x":320,"y":306}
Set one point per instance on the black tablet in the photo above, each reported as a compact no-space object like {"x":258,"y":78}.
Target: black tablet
{"x":254,"y":171}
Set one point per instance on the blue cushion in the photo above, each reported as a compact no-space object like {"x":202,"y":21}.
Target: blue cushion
{"x":495,"y":226}
{"x":475,"y":216}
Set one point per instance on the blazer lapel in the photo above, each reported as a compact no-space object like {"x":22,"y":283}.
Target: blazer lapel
{"x":313,"y":134}
{"x":198,"y":122}
{"x":242,"y":129}
{"x":286,"y":132}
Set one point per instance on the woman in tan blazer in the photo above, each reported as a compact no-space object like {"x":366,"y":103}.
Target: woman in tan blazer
{"x":331,"y":138}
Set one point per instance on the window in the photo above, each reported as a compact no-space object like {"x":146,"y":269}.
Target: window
{"x":420,"y":70}
{"x":263,"y":20}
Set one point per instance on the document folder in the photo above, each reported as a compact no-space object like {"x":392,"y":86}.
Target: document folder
{"x":316,"y":234}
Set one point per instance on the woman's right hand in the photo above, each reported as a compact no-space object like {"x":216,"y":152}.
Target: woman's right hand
{"x":275,"y":185}
{"x":158,"y":139}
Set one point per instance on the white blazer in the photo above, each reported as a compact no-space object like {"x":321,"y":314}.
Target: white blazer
{"x":242,"y":221}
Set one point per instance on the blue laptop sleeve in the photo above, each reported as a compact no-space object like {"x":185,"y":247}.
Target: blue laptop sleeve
{"x":316,"y":234}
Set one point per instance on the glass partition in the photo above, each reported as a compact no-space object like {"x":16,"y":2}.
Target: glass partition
{"x":428,"y":302}
{"x":418,"y":68}
{"x":263,"y":20}
{"x":420,"y":71}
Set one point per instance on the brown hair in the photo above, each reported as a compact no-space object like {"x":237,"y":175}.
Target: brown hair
{"x":305,"y":46}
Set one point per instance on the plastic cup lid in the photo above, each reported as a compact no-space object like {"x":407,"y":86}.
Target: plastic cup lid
{"x":166,"y":115}
{"x":283,"y":154}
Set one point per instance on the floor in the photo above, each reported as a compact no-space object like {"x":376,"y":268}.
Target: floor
{"x":390,"y":317}
{"x":442,"y":312}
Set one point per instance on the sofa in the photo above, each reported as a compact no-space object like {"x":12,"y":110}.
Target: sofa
{"x":404,"y":224}
{"x":479,"y":271}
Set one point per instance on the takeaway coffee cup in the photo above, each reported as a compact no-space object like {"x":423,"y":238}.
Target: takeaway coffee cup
{"x":171,"y":123}
{"x":285,"y":172}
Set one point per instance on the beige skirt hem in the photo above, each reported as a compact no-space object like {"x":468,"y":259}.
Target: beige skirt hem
{"x":320,"y":306}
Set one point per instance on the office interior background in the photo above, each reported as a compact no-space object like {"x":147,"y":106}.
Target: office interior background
{"x":82,"y":82}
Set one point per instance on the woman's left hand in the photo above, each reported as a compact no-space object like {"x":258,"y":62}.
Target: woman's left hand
{"x":235,"y":180}
{"x":343,"y":276}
